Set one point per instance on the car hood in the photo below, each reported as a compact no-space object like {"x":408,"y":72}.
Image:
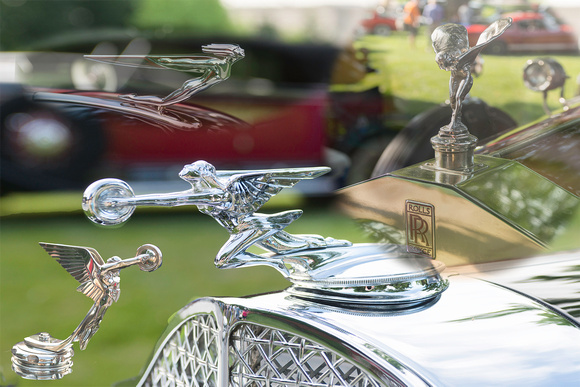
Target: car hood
{"x":554,"y":279}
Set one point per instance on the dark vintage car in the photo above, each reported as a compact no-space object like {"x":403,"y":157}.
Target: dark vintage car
{"x":531,"y":32}
{"x":474,"y":278}
{"x":285,"y":114}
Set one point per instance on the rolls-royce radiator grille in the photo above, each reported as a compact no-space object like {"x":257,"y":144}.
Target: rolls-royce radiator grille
{"x":190,"y":357}
{"x":266,"y":357}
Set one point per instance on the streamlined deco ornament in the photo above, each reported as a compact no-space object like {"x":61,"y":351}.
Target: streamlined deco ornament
{"x":232,"y":199}
{"x":214,"y":65}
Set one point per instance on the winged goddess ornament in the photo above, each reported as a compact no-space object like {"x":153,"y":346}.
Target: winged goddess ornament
{"x":214,"y":67}
{"x":451,"y":45}
{"x":235,"y":196}
{"x":99,"y":280}
{"x":232,"y":199}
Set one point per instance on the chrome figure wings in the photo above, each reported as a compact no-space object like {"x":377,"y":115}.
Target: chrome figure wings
{"x":235,"y":198}
{"x":451,"y":46}
{"x":232,"y":199}
{"x":98,"y":280}
{"x":214,"y":67}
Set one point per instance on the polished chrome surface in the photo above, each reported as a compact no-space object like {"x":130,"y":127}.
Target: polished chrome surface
{"x":365,"y":276}
{"x":548,"y":147}
{"x":476,"y":333}
{"x":231,"y":198}
{"x":503,"y":211}
{"x":35,"y":363}
{"x":214,"y":67}
{"x":42,"y":356}
{"x":544,"y":74}
{"x":454,"y":144}
{"x":554,"y":278}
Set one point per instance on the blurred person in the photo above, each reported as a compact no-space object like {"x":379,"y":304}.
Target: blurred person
{"x":433,"y":13}
{"x":464,"y":14}
{"x":411,"y":20}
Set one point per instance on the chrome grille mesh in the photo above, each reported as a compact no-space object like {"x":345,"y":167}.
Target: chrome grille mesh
{"x":190,"y":357}
{"x":267,"y":357}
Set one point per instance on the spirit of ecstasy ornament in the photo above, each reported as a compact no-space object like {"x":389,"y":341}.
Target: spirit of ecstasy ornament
{"x":231,"y":198}
{"x":214,"y":67}
{"x":454,"y":144}
{"x":41,"y":356}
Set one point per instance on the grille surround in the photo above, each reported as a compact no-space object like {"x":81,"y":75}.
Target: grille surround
{"x":340,"y":359}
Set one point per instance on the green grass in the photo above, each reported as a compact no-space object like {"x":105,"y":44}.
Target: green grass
{"x":417,"y":83}
{"x":38,"y":295}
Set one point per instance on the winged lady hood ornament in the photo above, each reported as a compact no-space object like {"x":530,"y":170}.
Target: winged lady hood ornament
{"x":41,"y":356}
{"x":451,"y":45}
{"x":454,"y":145}
{"x":214,"y":66}
{"x":232,"y":199}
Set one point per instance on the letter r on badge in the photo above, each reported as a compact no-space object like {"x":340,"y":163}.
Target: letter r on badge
{"x":418,"y":228}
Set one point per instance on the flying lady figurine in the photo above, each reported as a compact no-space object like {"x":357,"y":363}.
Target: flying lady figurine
{"x":235,"y":198}
{"x":451,"y":45}
{"x":232,"y":199}
{"x":99,"y":280}
{"x":214,"y":65}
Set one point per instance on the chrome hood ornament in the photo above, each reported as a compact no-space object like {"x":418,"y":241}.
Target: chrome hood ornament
{"x":323,"y":270}
{"x":41,"y":356}
{"x":214,"y":67}
{"x":454,"y":144}
{"x":232,"y":199}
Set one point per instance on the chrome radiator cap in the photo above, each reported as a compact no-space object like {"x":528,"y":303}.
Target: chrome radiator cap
{"x":366,"y":275}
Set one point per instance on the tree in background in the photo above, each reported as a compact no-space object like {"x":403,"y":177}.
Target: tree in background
{"x":32,"y":24}
{"x":181,"y":17}
{"x":23,"y":24}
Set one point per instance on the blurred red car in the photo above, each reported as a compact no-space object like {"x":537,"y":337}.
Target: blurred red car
{"x":530,"y":32}
{"x":379,"y":23}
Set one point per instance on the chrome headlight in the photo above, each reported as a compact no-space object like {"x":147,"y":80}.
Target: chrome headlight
{"x":543,"y":74}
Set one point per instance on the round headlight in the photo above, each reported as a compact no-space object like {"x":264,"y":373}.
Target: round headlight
{"x":543,"y":74}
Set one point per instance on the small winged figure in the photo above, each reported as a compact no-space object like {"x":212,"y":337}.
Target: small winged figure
{"x":214,"y":68}
{"x":451,"y":45}
{"x":98,"y":281}
{"x":232,"y":197}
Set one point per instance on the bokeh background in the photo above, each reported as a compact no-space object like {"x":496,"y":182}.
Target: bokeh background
{"x":36,"y":294}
